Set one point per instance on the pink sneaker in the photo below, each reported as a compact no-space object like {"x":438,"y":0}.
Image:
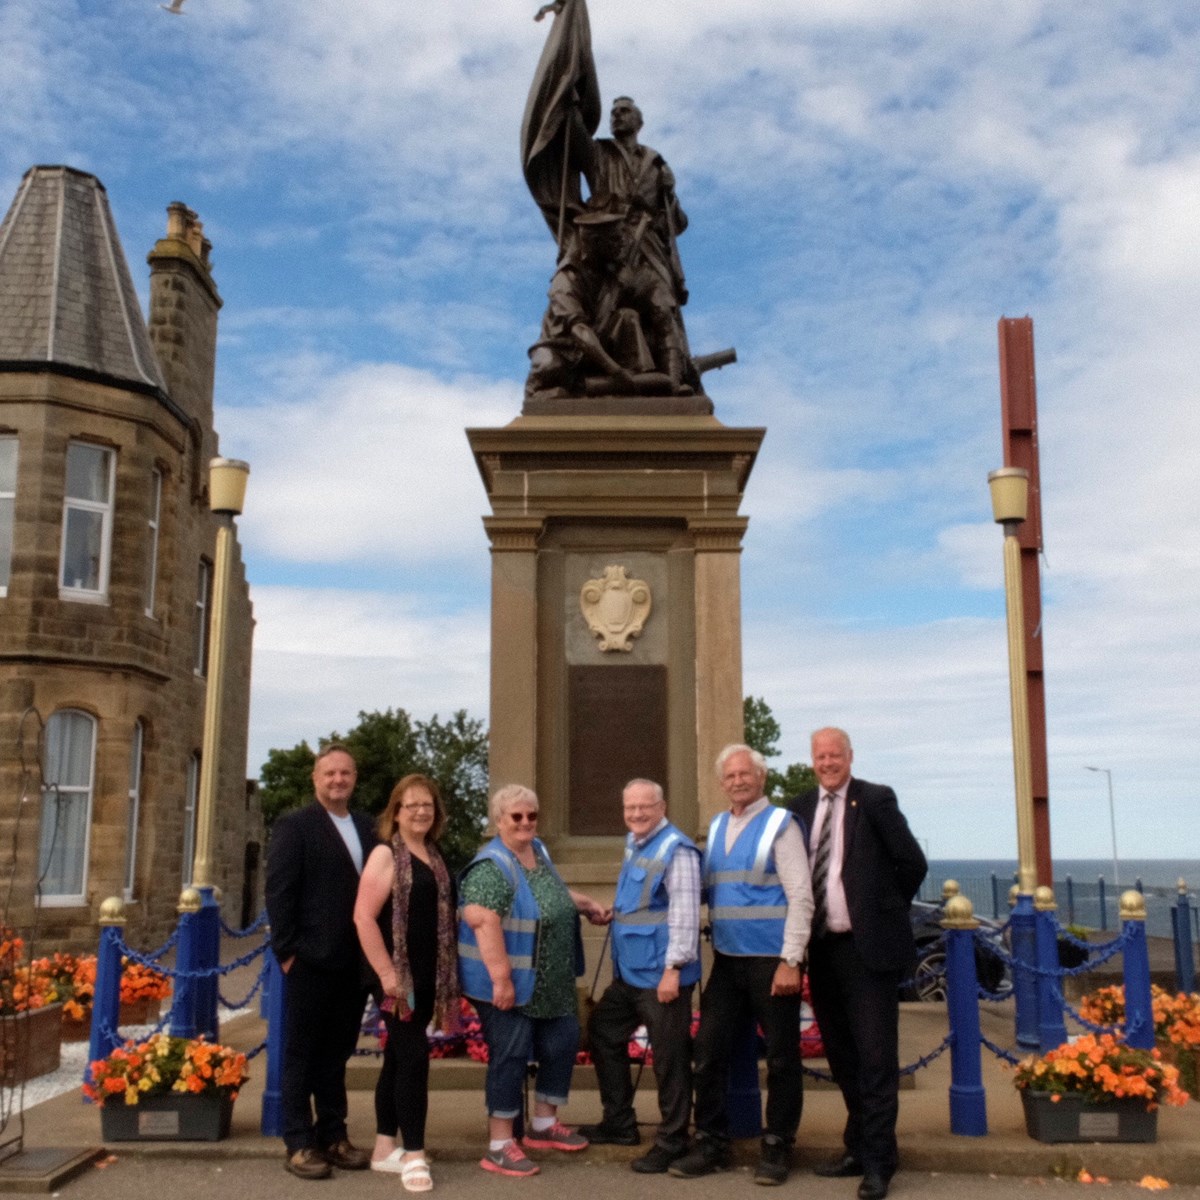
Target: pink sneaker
{"x":509,"y":1160}
{"x":557,"y":1137}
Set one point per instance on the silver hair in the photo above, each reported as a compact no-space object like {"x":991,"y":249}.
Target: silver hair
{"x":757,"y":759}
{"x":833,"y":729}
{"x":656,"y":788}
{"x":507,"y":796}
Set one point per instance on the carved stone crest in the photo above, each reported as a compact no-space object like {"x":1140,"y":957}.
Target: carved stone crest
{"x":615,"y":607}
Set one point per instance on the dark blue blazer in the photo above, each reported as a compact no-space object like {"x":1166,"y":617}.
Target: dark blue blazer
{"x":312,"y":884}
{"x":882,"y":870}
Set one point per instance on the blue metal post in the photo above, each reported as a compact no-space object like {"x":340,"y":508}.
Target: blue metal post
{"x":208,"y":959}
{"x":1139,"y":1014}
{"x":1023,"y":926}
{"x":183,"y":1007}
{"x":1103,"y":906}
{"x":743,"y":1099}
{"x":1181,"y":928}
{"x":106,"y":999}
{"x":275,"y":991}
{"x":1052,"y":1030}
{"x":968,"y":1100}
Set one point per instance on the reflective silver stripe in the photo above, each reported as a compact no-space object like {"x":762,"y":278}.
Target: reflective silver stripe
{"x":644,"y":917}
{"x":770,"y":833}
{"x":752,"y":912}
{"x":518,"y":962}
{"x":518,"y":925}
{"x":763,"y":878}
{"x":716,"y":836}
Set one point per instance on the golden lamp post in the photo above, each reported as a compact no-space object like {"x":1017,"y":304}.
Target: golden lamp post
{"x":227,"y":493}
{"x":1010,"y":503}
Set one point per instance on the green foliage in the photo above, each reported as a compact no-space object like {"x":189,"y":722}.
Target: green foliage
{"x":285,"y":781}
{"x":762,"y":733}
{"x":387,"y":746}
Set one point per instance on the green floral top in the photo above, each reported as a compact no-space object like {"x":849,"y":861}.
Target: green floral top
{"x":554,"y":967}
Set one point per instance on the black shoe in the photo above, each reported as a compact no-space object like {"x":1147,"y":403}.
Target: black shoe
{"x":839,"y":1168}
{"x":656,"y":1160}
{"x":709,"y":1154}
{"x":774,"y":1162}
{"x":346,"y":1156}
{"x":307,"y":1164}
{"x":602,"y":1135}
{"x":873,"y":1187}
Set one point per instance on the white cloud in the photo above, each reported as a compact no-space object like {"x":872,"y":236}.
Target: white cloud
{"x":370,"y":464}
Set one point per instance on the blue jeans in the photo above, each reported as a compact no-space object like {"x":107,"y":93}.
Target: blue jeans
{"x":515,"y":1040}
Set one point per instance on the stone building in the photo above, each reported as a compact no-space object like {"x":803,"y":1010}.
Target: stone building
{"x":106,"y":561}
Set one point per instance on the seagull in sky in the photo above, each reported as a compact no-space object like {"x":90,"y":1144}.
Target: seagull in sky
{"x":176,"y":7}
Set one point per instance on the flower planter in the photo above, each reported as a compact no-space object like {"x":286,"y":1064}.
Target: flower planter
{"x":1073,"y":1119}
{"x":173,"y":1117}
{"x":29,"y":1044}
{"x":143,"y":1011}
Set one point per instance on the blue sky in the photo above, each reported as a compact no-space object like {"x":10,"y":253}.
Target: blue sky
{"x":870,"y":188}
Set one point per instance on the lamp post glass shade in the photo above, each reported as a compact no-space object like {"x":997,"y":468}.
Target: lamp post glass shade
{"x":1010,"y":494}
{"x":227,"y":484}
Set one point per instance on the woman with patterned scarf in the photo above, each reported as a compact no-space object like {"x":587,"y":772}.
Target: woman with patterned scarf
{"x":406,"y":921}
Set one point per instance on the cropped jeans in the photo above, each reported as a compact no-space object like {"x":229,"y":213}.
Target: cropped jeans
{"x":515,"y":1040}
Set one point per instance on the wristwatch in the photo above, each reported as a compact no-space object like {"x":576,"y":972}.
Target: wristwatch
{"x":791,"y":962}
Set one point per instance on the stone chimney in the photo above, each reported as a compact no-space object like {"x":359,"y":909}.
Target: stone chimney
{"x":183,"y":315}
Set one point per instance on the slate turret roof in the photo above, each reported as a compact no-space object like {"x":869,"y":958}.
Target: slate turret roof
{"x":67,"y":299}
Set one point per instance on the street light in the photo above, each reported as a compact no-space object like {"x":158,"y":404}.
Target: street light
{"x":199,"y":947}
{"x":1010,"y":502}
{"x":227,"y":495}
{"x":1112,"y":820}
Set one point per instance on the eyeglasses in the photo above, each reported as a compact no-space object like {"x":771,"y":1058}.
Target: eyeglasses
{"x":521,"y":818}
{"x":416,"y":807}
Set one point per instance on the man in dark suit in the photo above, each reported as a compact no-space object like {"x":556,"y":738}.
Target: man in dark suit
{"x":866,"y":869}
{"x":314,"y":860}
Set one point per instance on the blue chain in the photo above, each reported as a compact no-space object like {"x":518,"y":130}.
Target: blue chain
{"x":926,"y":1059}
{"x":258,"y":924}
{"x":262,"y":975}
{"x":1104,"y":953}
{"x":257,"y":1050}
{"x":202,"y":973}
{"x":1000,"y":1053}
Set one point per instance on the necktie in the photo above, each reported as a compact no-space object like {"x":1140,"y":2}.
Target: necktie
{"x":820,"y":868}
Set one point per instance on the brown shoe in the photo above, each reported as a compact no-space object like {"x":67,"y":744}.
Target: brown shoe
{"x":307,"y":1164}
{"x":347,"y":1157}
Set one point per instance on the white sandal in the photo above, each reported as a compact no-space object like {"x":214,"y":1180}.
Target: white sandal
{"x":391,"y":1163}
{"x":415,"y":1176}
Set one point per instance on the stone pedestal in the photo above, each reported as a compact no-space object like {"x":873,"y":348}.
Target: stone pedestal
{"x":616,"y":613}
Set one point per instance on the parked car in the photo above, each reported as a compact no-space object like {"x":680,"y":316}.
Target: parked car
{"x":927,"y":979}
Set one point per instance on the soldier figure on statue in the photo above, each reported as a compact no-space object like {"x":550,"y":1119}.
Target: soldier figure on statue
{"x":625,"y":332}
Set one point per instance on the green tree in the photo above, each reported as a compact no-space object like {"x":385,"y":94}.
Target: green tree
{"x":285,"y":781}
{"x":387,"y":746}
{"x":762,"y":733}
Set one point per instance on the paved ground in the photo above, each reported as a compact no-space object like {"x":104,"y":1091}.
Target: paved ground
{"x":456,"y":1129}
{"x":133,"y":1178}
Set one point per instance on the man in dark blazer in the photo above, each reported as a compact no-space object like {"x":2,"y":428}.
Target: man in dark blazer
{"x":314,"y":861}
{"x":867,"y":867}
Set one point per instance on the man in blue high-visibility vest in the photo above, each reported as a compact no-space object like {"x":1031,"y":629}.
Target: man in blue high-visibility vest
{"x":656,"y":964}
{"x":759,"y":895}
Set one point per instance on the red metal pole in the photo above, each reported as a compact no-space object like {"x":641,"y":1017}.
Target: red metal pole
{"x":1018,"y":408}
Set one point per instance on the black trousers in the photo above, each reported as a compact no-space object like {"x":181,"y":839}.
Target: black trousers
{"x":738,"y":991}
{"x":618,"y":1013}
{"x":402,"y":1090}
{"x":858,"y":1012}
{"x":321,"y":1026}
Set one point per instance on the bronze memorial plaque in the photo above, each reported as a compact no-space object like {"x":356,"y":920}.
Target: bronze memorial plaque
{"x":618,"y":731}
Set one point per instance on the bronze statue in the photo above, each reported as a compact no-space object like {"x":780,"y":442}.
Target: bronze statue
{"x":614,"y":323}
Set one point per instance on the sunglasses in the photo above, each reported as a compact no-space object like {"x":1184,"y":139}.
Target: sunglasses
{"x":521,"y":818}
